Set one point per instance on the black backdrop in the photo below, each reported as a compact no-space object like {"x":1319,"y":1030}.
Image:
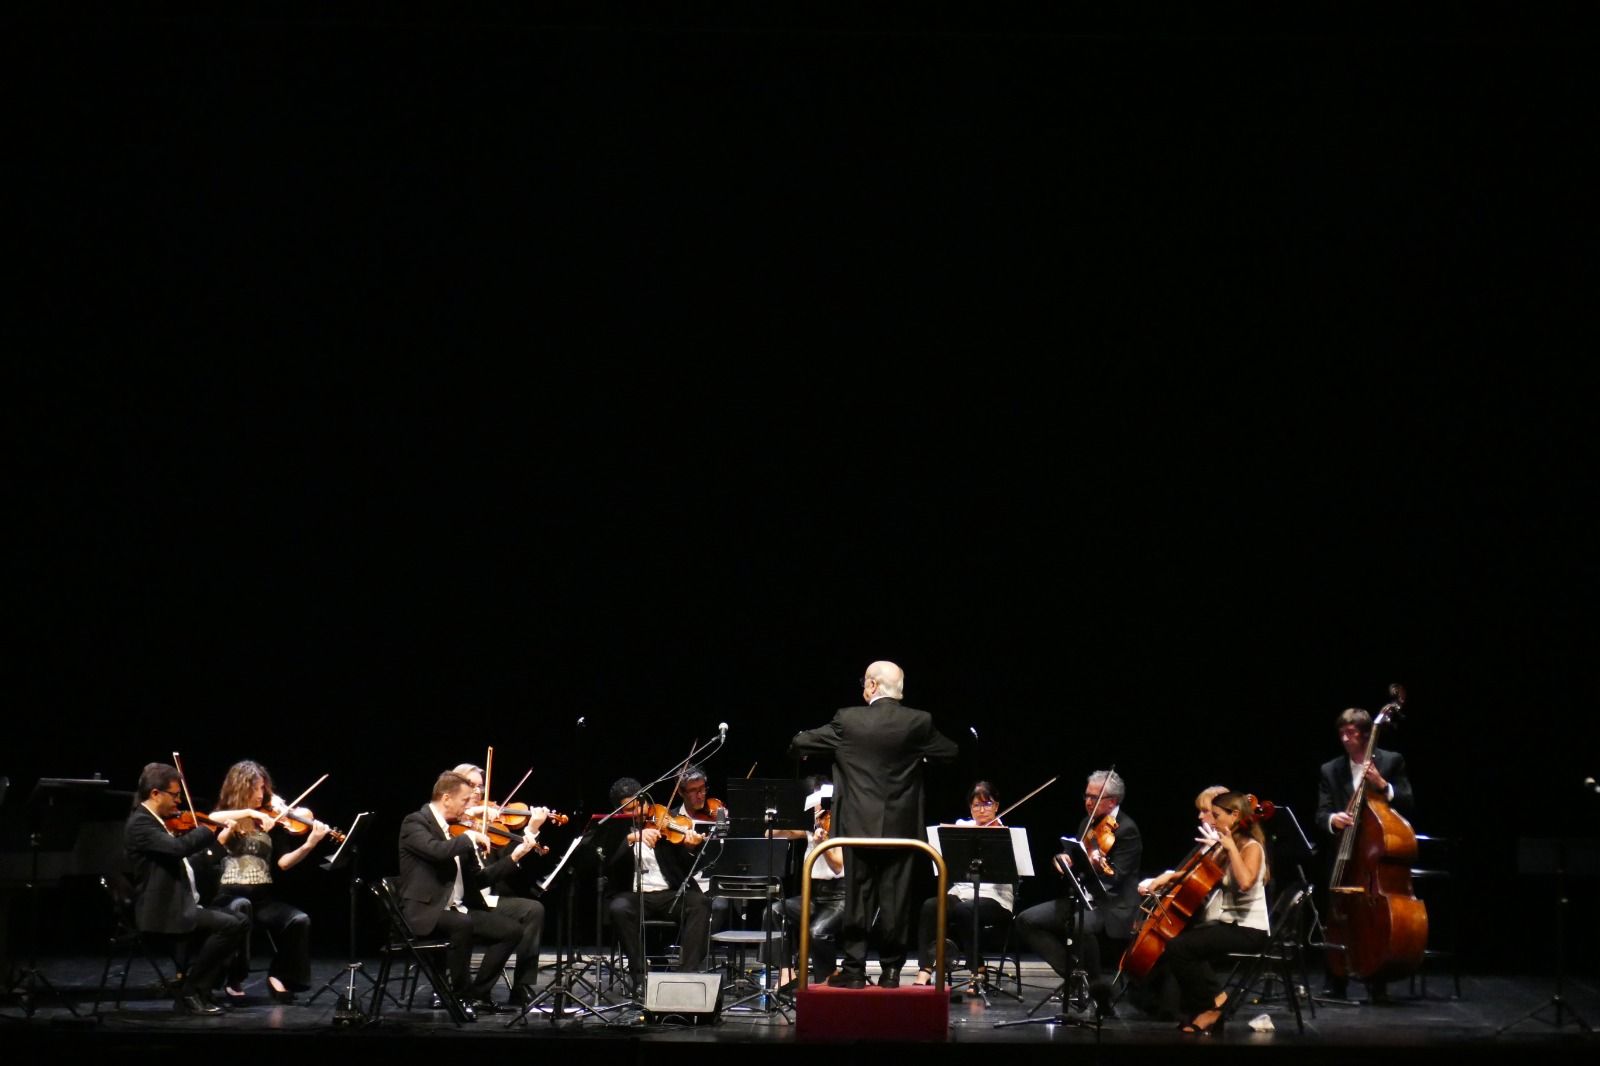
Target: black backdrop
{"x":472,"y":377}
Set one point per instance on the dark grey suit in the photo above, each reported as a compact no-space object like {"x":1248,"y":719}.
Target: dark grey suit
{"x":163,"y":901}
{"x":878,"y":754}
{"x":1334,"y":791}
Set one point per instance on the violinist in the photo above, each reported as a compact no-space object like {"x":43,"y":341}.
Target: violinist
{"x":656,"y":875}
{"x":1235,"y":918}
{"x":1114,"y":848}
{"x":994,"y":901}
{"x":252,"y":852}
{"x":701,"y":810}
{"x":1385,"y":776}
{"x":438,"y":875}
{"x":165,"y":898}
{"x":501,"y":897}
{"x":827,"y":892}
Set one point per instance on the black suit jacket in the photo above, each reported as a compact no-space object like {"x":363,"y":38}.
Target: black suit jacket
{"x":1120,"y":902}
{"x":428,"y":870}
{"x":675,"y":861}
{"x":1333,"y":786}
{"x":877,"y":766}
{"x":162,"y":899}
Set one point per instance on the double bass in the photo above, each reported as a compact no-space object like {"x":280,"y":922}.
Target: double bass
{"x":1170,"y":911}
{"x":1377,"y":927}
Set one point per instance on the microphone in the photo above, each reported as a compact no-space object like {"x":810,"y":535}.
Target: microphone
{"x":582,"y":722}
{"x":1589,"y":783}
{"x":722,"y":820}
{"x":973,"y":731}
{"x":722,"y":728}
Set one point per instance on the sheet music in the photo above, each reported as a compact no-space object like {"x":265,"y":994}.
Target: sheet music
{"x":1019,"y":847}
{"x":349,"y":836}
{"x":571,"y":847}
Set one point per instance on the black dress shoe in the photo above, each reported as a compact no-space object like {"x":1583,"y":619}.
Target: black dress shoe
{"x":485,"y":1005}
{"x":193,"y":1003}
{"x":436,"y":1002}
{"x":890,"y":978}
{"x":847,"y":980}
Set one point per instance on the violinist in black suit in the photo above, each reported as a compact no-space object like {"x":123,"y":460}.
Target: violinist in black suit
{"x":878,"y":752}
{"x":663,"y":889}
{"x":1113,"y":882}
{"x":165,"y":897}
{"x":1384,"y":776}
{"x":439,"y":878}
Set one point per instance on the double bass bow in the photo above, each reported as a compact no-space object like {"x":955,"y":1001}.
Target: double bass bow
{"x":1377,"y":928}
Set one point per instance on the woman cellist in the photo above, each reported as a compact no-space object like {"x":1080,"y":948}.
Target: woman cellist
{"x":1235,"y":916}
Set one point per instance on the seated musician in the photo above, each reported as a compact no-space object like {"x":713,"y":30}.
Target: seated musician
{"x":439,"y":876}
{"x":1156,"y":994}
{"x":827,"y":894}
{"x":993,"y":904}
{"x":1113,"y":880}
{"x":696,"y":807}
{"x":246,"y":888}
{"x":1385,"y":776}
{"x":165,"y":898}
{"x":1235,"y":917}
{"x":664,"y":889}
{"x":503,"y":897}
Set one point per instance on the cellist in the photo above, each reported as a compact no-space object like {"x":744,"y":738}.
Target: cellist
{"x":1235,"y":917}
{"x":1385,"y":775}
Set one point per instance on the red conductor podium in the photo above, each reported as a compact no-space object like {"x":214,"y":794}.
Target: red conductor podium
{"x":907,"y":1013}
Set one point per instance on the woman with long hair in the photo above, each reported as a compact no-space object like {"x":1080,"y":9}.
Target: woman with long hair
{"x":248,"y":804}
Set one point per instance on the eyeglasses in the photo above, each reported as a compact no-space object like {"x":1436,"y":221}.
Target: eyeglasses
{"x":175,"y":793}
{"x":984,"y":803}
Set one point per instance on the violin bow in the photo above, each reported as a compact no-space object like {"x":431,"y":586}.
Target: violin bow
{"x":177,"y":764}
{"x":681,"y":772}
{"x":1026,"y":798}
{"x":291,"y":806}
{"x":514,"y":791}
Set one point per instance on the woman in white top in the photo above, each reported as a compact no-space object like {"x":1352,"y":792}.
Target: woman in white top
{"x":1235,"y":917}
{"x":994,"y":901}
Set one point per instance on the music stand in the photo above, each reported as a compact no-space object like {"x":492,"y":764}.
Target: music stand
{"x":55,"y":810}
{"x":1078,"y":979}
{"x":987,"y":857}
{"x":348,"y":1012}
{"x":559,"y":988}
{"x":1546,"y":857}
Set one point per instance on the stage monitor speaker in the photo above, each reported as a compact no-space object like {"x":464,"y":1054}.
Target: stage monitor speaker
{"x":695,"y":997}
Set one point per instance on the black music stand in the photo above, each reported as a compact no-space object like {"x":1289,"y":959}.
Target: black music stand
{"x":348,"y":1012}
{"x":56,"y":809}
{"x":1075,"y":989}
{"x":1554,"y":857}
{"x":984,"y":856}
{"x":558,"y":991}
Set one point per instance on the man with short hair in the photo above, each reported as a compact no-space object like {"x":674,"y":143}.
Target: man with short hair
{"x":664,"y":889}
{"x":878,"y":750}
{"x":438,"y":876}
{"x":166,"y":899}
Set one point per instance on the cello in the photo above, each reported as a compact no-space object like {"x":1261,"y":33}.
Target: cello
{"x":1377,"y":928}
{"x":1170,"y":911}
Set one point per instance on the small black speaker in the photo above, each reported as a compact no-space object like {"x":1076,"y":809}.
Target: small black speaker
{"x":695,"y":997}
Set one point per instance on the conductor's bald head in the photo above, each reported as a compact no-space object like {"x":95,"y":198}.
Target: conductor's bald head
{"x":883,"y":678}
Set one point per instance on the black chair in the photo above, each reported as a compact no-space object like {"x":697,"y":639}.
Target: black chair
{"x":994,"y":942}
{"x":422,"y":957}
{"x":1434,"y":882}
{"x":737,"y":942}
{"x":1281,"y":957}
{"x":128,"y":944}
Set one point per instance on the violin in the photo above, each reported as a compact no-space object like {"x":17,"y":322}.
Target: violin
{"x":184,"y":821}
{"x":297,"y":822}
{"x":500,"y":834}
{"x":1104,"y":837}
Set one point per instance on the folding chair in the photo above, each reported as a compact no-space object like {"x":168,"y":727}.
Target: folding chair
{"x":129,"y":944}
{"x":1280,"y":956}
{"x":424,"y":954}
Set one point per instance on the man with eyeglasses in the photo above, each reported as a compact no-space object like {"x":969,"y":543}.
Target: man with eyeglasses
{"x":1112,"y":879}
{"x":878,"y":751}
{"x":166,"y":899}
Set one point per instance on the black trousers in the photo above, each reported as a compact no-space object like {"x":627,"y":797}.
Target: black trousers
{"x":291,"y":932}
{"x":827,"y":915}
{"x":877,"y":883}
{"x":1047,"y":927}
{"x":500,"y":933}
{"x":1189,"y":957}
{"x":219,"y":933}
{"x":957,"y":927}
{"x":529,"y":915}
{"x":694,"y":924}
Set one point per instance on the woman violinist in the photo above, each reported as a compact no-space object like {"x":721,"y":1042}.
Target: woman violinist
{"x":252,"y":852}
{"x":1235,"y":917}
{"x":992,"y":903}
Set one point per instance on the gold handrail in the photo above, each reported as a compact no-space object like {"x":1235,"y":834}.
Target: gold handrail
{"x":803,"y":965}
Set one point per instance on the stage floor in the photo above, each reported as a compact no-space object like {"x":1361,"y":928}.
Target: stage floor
{"x":1435,"y":1026}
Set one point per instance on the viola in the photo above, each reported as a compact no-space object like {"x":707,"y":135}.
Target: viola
{"x":1104,"y":837}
